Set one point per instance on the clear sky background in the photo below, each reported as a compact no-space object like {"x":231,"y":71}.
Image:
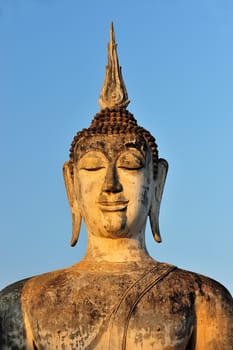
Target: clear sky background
{"x":177,"y":61}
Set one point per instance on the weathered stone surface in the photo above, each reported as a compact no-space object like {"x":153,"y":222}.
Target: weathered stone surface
{"x":117,"y":297}
{"x":82,"y":307}
{"x":12,"y":330}
{"x":113,"y":93}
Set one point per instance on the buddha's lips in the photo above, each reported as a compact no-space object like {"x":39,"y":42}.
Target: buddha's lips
{"x":113,"y":206}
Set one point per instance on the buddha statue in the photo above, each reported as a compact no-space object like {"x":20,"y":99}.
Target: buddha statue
{"x":117,"y":297}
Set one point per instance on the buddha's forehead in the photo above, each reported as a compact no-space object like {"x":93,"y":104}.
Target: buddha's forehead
{"x":111,"y":145}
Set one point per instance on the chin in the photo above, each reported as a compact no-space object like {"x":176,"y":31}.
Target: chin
{"x":117,"y":224}
{"x":116,"y":231}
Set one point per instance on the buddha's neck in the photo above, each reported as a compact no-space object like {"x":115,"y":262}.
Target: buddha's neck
{"x":118,"y":250}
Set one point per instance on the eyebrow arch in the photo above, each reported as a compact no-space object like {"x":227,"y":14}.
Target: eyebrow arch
{"x":92,"y":154}
{"x":132,"y":157}
{"x":136,"y":152}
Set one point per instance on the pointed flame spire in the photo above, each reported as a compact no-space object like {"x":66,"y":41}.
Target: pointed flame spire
{"x":113,"y":93}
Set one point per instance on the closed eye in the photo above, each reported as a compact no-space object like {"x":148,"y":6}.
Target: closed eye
{"x":92,"y":168}
{"x":131,"y":167}
{"x":131,"y":160}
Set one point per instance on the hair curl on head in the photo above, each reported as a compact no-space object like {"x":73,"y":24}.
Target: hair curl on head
{"x":116,"y":121}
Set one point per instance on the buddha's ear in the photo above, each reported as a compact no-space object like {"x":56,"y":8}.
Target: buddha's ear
{"x":156,"y":200}
{"x":73,"y":201}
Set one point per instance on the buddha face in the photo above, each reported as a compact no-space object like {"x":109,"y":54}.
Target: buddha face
{"x":113,"y":180}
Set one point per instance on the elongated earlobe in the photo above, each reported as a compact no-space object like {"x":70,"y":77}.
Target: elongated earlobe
{"x":156,"y":200}
{"x":76,"y":216}
{"x":76,"y":225}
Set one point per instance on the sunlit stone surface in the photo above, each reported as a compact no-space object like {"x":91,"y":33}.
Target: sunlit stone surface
{"x":117,"y":297}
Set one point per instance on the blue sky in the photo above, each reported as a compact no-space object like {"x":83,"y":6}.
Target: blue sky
{"x":177,"y":62}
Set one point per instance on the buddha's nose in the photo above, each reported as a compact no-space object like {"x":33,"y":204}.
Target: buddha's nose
{"x":111,"y":181}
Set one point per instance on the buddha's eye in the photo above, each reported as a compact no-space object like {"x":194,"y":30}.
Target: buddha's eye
{"x":91,"y":163}
{"x":130,"y":166}
{"x":131,"y":161}
{"x":92,"y":168}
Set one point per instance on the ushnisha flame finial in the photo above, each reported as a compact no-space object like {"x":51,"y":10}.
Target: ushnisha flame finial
{"x":113,"y":93}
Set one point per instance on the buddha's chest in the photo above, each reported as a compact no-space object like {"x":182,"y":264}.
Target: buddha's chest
{"x":106,"y":313}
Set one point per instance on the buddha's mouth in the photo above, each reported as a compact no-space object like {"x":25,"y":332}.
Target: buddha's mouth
{"x":113,"y":206}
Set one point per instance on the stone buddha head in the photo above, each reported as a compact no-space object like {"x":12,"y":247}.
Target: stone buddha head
{"x":114,"y":178}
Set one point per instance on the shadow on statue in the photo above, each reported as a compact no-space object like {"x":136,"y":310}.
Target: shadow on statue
{"x":117,"y":297}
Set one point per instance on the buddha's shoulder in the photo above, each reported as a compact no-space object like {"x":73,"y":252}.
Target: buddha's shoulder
{"x":10,"y":296}
{"x":13,"y":292}
{"x":203,"y":288}
{"x":11,"y":318}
